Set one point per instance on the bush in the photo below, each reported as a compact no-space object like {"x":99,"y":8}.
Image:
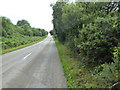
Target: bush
{"x":20,"y":34}
{"x":88,"y":30}
{"x":96,"y":43}
{"x":109,"y":73}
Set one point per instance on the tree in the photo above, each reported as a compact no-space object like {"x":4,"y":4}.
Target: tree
{"x":57,"y":21}
{"x":84,"y":27}
{"x":52,"y":32}
{"x":16,"y":35}
{"x":23,"y":22}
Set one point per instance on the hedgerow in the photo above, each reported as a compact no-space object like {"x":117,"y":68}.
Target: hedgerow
{"x":20,"y":34}
{"x":91,"y":30}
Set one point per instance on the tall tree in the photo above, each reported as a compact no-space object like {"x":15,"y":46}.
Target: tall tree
{"x":23,"y":22}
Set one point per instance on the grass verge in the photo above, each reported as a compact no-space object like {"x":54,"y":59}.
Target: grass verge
{"x":69,"y":64}
{"x":80,"y":76}
{"x":21,"y":46}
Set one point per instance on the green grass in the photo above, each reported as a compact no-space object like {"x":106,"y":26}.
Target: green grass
{"x":21,"y":46}
{"x":76,"y":73}
{"x":70,"y":65}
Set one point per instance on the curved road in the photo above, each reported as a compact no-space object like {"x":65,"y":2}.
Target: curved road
{"x":36,"y":66}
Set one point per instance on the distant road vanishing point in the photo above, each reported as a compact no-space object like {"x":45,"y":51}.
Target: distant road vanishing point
{"x":36,"y":66}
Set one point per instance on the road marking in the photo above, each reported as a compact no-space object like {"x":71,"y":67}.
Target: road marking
{"x":27,"y":55}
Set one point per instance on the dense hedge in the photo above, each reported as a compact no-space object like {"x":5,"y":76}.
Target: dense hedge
{"x":91,"y":30}
{"x":20,"y":34}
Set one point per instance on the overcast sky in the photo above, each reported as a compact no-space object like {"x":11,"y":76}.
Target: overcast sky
{"x":37,"y":12}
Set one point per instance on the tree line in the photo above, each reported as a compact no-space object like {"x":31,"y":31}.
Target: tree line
{"x":19,"y":34}
{"x":88,"y":29}
{"x":91,"y":30}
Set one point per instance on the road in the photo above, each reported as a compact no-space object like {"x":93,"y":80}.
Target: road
{"x":36,"y":66}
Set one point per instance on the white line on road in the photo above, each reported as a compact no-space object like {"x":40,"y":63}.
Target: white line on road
{"x":27,"y":55}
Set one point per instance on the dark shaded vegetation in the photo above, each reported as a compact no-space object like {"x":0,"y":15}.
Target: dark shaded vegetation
{"x":20,"y":34}
{"x":92,"y":33}
{"x":52,"y":32}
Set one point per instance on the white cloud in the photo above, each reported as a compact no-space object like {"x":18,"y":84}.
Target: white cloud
{"x":37,"y":12}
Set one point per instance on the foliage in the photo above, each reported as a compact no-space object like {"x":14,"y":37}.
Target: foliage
{"x":79,"y":75}
{"x":23,"y":22}
{"x":52,"y":32}
{"x":91,"y":30}
{"x":20,"y":34}
{"x":33,"y":41}
{"x":109,"y":72}
{"x":97,"y":41}
{"x":84,"y":27}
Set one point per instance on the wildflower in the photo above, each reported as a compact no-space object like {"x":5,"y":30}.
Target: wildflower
{"x":92,"y":75}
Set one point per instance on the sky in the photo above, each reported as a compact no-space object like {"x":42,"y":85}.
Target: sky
{"x":37,"y":12}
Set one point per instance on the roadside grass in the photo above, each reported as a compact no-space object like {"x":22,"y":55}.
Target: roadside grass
{"x":76,"y":73}
{"x":71,"y":67}
{"x":21,"y":46}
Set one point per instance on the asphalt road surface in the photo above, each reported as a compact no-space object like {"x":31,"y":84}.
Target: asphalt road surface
{"x":36,"y":66}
